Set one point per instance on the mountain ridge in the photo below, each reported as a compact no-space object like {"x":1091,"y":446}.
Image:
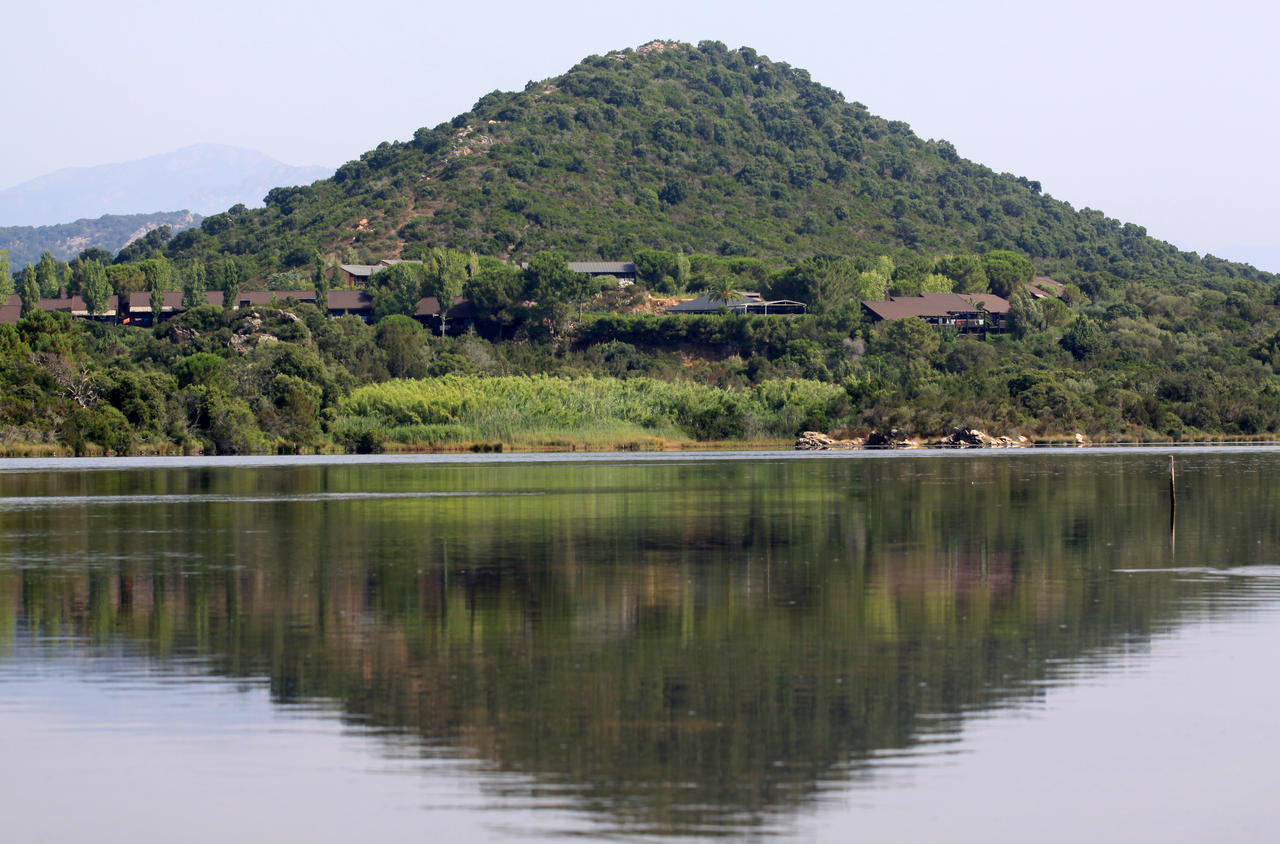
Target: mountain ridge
{"x":204,"y":178}
{"x":110,"y":232}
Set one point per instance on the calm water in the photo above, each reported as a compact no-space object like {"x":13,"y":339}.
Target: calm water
{"x":983,"y":646}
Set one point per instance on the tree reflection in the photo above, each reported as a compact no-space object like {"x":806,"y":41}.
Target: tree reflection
{"x":682,"y":648}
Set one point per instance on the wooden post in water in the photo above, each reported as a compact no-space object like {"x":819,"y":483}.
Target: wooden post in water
{"x":1173,"y":502}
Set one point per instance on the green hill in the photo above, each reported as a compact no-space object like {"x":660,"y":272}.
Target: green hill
{"x":701,"y":149}
{"x":110,"y":232}
{"x":765,"y":181}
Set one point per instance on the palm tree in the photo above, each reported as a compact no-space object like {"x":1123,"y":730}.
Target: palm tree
{"x":723,"y":290}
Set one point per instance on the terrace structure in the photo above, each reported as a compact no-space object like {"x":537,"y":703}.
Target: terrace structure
{"x":624,"y":272}
{"x":967,"y":312}
{"x":742,"y":303}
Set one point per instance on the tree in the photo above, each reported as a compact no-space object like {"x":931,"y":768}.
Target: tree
{"x":1025,"y":316}
{"x":400,"y":339}
{"x":822,"y":282}
{"x":445,"y":274}
{"x":229,"y":283}
{"x":396,"y":290}
{"x":554,"y":285}
{"x":158,"y":273}
{"x":6,"y":276}
{"x":967,"y":272}
{"x":320,"y":282}
{"x":723,"y":289}
{"x":194,"y":285}
{"x":682,"y":271}
{"x":654,"y":267}
{"x":94,"y":287}
{"x":495,"y":291}
{"x":1084,"y":338}
{"x":28,"y":290}
{"x":47,"y":275}
{"x":1006,"y":271}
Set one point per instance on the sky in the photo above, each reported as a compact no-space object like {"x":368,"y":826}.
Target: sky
{"x":1163,"y":114}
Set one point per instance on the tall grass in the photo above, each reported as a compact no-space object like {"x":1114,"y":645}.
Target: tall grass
{"x":532,"y":410}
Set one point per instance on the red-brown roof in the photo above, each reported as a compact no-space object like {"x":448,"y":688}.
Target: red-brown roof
{"x":937,"y":305}
{"x":1043,"y":287}
{"x":10,"y":309}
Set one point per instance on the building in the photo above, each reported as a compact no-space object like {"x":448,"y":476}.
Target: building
{"x":624,"y":272}
{"x":358,"y":274}
{"x":968,"y":312}
{"x":1043,"y":287}
{"x":743,"y":303}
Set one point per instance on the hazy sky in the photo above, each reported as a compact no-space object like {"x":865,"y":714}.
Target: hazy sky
{"x":1159,"y":113}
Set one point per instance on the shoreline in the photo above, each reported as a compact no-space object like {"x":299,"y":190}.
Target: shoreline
{"x":656,"y":446}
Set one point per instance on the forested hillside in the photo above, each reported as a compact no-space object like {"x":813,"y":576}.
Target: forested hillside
{"x":676,"y":147}
{"x":716,"y":171}
{"x":65,"y":241}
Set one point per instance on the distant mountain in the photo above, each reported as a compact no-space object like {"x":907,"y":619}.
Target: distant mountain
{"x":205,"y":178}
{"x":67,"y":240}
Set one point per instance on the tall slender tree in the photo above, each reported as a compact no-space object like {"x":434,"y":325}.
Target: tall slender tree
{"x":446,"y":272}
{"x":195,"y":283}
{"x":230,"y":283}
{"x":47,"y":275}
{"x":320,"y":281}
{"x":6,"y":276}
{"x":94,"y":287}
{"x":29,"y":289}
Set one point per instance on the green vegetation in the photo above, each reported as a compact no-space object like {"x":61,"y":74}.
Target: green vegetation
{"x":716,"y":171}
{"x":664,"y":640}
{"x":64,"y":241}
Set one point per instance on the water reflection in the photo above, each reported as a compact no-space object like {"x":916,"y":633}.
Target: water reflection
{"x":669,"y":647}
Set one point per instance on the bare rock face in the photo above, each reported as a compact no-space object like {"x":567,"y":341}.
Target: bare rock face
{"x":181,"y":334}
{"x":813,"y":441}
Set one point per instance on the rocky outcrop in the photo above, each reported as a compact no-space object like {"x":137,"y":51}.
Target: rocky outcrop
{"x":958,"y":438}
{"x":892,"y":439}
{"x":968,"y":438}
{"x":815,"y":441}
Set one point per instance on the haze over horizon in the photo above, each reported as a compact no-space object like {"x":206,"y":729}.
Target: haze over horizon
{"x":1157,"y":115}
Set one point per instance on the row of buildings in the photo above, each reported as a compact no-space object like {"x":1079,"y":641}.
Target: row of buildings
{"x":135,"y":309}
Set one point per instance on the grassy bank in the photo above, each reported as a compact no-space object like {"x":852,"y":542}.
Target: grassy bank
{"x":535,"y":412}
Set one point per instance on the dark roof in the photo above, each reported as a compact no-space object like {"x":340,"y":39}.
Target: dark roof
{"x":937,"y":305}
{"x":430,"y":306}
{"x":603,"y":267}
{"x":266,"y":297}
{"x":349,"y":300}
{"x":704,"y":305}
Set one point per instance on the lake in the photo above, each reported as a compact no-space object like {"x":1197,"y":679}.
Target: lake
{"x":994,"y":646}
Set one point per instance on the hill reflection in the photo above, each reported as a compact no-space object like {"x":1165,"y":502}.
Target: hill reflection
{"x":685,"y":647}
